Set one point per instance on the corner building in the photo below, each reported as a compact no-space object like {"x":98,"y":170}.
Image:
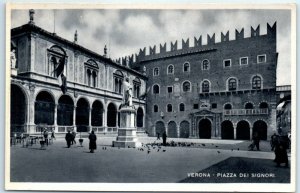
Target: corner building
{"x":223,"y":90}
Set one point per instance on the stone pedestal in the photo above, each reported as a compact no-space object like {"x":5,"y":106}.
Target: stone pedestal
{"x":127,"y":131}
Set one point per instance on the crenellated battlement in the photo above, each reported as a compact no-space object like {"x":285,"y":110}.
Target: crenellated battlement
{"x":197,"y":47}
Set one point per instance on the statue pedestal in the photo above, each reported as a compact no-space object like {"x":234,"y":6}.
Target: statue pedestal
{"x":127,"y":131}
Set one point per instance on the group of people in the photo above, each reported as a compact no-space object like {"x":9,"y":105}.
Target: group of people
{"x":70,"y":139}
{"x":46,"y":135}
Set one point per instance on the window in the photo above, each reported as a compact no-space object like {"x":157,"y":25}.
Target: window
{"x":136,"y":87}
{"x":214,"y":105}
{"x":263,"y":105}
{"x":244,"y":61}
{"x":118,"y":83}
{"x":232,"y":84}
{"x":227,"y":106}
{"x":170,"y":89}
{"x":205,"y":65}
{"x":248,"y":106}
{"x":57,"y":60}
{"x":186,"y":67}
{"x":186,"y":86}
{"x":170,"y":69}
{"x":181,"y":107}
{"x":196,"y":106}
{"x":261,"y":58}
{"x":155,"y":89}
{"x":227,"y":63}
{"x":205,"y":86}
{"x":256,"y":82}
{"x":155,"y":72}
{"x":91,"y":73}
{"x":155,"y":108}
{"x":169,"y":108}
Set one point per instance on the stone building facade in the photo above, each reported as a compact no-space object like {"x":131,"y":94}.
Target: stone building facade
{"x":223,"y":90}
{"x":60,"y":85}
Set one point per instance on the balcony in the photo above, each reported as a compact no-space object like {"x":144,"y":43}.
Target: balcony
{"x":246,"y":112}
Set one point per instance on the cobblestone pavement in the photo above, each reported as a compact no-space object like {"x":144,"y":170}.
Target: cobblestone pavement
{"x":57,"y":163}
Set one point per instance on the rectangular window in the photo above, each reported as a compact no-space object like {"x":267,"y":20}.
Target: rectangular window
{"x":196,"y":106}
{"x":170,"y":89}
{"x":214,"y":105}
{"x":244,"y":61}
{"x":227,"y":63}
{"x":261,"y":58}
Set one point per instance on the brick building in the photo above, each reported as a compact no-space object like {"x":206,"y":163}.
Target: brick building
{"x":60,"y":85}
{"x":219,"y":90}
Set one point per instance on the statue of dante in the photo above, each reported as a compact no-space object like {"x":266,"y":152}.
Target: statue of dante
{"x":127,"y":95}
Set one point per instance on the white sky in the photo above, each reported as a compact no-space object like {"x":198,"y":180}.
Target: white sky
{"x":126,"y":31}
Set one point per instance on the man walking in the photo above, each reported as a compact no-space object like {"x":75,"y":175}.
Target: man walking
{"x":69,"y":138}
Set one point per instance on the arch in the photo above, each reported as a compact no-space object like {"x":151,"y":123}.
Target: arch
{"x":169,"y":108}
{"x":186,"y":86}
{"x":118,"y":72}
{"x":155,"y":108}
{"x":160,"y":127}
{"x":156,"y":71}
{"x":170,"y":69}
{"x":204,"y":127}
{"x":58,"y":50}
{"x":44,"y":108}
{"x":227,"y":106}
{"x":249,"y":105}
{"x":65,"y":110}
{"x":140,"y":117}
{"x":172,"y":129}
{"x":205,"y":64}
{"x":155,"y":89}
{"x":257,"y":81}
{"x":227,"y":130}
{"x":92,"y":63}
{"x":205,"y":86}
{"x":243,"y":130}
{"x":261,"y":128}
{"x":181,"y":107}
{"x":184,"y":131}
{"x":82,"y":115}
{"x":97,"y":113}
{"x":263,"y":105}
{"x":186,"y":67}
{"x":111,"y":115}
{"x":18,"y":108}
{"x":232,"y":84}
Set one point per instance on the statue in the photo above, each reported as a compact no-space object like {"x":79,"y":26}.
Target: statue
{"x":13,"y":59}
{"x":127,"y":95}
{"x":31,"y":16}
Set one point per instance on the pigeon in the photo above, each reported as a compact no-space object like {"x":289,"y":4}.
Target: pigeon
{"x":164,"y":150}
{"x":148,"y":151}
{"x":157,"y":150}
{"x":231,"y":149}
{"x":219,"y":152}
{"x":238,"y":149}
{"x":203,"y":144}
{"x":217,"y":146}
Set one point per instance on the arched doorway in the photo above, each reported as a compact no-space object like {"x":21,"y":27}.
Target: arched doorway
{"x":205,"y":129}
{"x":97,"y":114}
{"x":65,"y":110}
{"x":44,"y":109}
{"x":243,"y":130}
{"x":184,"y":129}
{"x":160,"y":128}
{"x":82,"y":115}
{"x":140,"y":117}
{"x":172,"y":129}
{"x":261,"y":128}
{"x":111,"y":115}
{"x":227,"y":130}
{"x":18,"y":109}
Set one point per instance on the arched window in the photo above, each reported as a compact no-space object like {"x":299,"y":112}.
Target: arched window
{"x":155,"y":89}
{"x":118,"y":81}
{"x":227,"y":106}
{"x":256,"y":82}
{"x":181,"y":107}
{"x":186,"y":67}
{"x":155,"y":72}
{"x":91,"y":68}
{"x":136,"y":87}
{"x":170,"y":69}
{"x":232,"y":84}
{"x":186,"y":86}
{"x":155,"y":108}
{"x":205,"y":86}
{"x":263,"y":105}
{"x":205,"y":65}
{"x":57,"y":61}
{"x":248,"y":106}
{"x":169,"y":108}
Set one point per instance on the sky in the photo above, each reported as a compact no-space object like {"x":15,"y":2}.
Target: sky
{"x":125,"y":31}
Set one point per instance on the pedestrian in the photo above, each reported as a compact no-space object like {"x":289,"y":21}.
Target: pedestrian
{"x":164,"y":136}
{"x":274,"y":141}
{"x":281,"y":152}
{"x":93,"y":139}
{"x":53,"y":134}
{"x":73,"y":137}
{"x":46,"y":136}
{"x":158,"y":137}
{"x":69,"y":138}
{"x":256,"y":139}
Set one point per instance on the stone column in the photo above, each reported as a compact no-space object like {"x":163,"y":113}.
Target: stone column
{"x":272,"y":127}
{"x":55,"y":118}
{"x":30,"y":112}
{"x":74,"y":118}
{"x":234,"y":131}
{"x":251,"y":131}
{"x":90,"y":119}
{"x":178,"y":129}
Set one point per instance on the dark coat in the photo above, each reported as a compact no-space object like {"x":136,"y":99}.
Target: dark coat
{"x":69,"y":137}
{"x":93,"y":139}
